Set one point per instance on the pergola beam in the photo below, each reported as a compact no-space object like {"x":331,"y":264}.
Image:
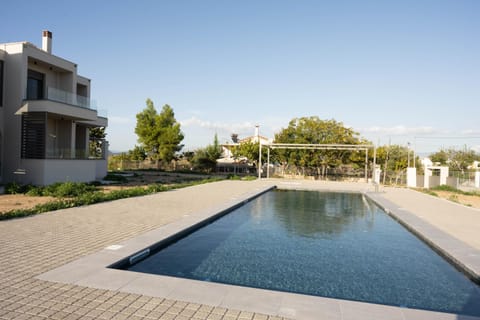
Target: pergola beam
{"x":318,"y":146}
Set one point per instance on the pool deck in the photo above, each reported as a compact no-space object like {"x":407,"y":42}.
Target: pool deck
{"x":49,"y":262}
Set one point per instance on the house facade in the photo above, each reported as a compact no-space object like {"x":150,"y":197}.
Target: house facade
{"x":46,"y":117}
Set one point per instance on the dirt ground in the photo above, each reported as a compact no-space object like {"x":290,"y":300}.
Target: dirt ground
{"x":10,"y":202}
{"x":471,"y":201}
{"x":19,"y":201}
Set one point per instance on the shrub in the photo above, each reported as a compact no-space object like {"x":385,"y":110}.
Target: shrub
{"x":446,"y":188}
{"x":68,"y":189}
{"x":115,"y":177}
{"x":80,"y":194}
{"x":14,"y":188}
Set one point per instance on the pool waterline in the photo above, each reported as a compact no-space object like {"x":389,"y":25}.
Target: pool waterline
{"x":317,"y":253}
{"x":91,"y":270}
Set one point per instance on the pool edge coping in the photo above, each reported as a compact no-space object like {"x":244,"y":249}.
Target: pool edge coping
{"x":92,"y":271}
{"x":458,"y":253}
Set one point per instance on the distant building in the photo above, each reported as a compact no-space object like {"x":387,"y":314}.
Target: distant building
{"x":242,"y":165}
{"x":227,"y":147}
{"x":45,"y":118}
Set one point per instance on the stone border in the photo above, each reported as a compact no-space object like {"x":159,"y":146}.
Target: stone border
{"x":458,"y":253}
{"x":92,"y":271}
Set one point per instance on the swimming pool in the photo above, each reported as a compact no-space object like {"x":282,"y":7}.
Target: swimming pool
{"x":336,"y":245}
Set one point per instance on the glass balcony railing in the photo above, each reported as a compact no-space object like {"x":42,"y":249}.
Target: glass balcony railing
{"x":62,"y":96}
{"x":77,"y":154}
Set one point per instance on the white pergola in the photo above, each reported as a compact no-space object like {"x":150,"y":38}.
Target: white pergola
{"x":300,"y":146}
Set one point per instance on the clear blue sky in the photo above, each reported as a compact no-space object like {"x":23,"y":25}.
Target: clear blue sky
{"x":403,"y":71}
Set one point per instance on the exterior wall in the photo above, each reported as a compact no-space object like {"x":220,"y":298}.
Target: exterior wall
{"x":2,"y":104}
{"x":2,"y":89}
{"x":420,"y":181}
{"x":44,"y":172}
{"x":101,"y":169}
{"x":433,"y":181}
{"x":15,"y":89}
{"x":412,"y":177}
{"x":452,"y":182}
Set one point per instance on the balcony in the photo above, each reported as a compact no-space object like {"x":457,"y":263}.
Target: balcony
{"x":61,"y":96}
{"x":62,"y":103}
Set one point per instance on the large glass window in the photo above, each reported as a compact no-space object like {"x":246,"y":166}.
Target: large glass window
{"x":35,"y":85}
{"x":1,"y":83}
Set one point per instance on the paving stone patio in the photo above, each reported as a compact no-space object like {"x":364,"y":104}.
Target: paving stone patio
{"x":34,"y":245}
{"x":30,"y":247}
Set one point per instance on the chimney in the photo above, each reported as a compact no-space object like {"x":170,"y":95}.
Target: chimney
{"x":47,"y":41}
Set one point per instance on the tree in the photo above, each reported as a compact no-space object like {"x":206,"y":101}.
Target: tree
{"x":159,"y":133}
{"x":97,"y":140}
{"x":457,"y":160}
{"x":313,"y":130}
{"x":249,"y":150}
{"x":206,"y":158}
{"x":137,"y":153}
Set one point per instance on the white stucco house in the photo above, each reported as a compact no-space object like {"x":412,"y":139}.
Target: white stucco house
{"x":45,"y":118}
{"x":227,"y":155}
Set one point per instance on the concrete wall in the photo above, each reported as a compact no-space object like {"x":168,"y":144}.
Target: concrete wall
{"x":2,"y":103}
{"x":434,"y":181}
{"x":44,"y":172}
{"x":420,"y":181}
{"x":452,"y":182}
{"x":101,"y":169}
{"x":15,"y":90}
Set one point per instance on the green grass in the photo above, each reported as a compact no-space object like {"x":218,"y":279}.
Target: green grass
{"x":244,"y":178}
{"x":71,"y":194}
{"x":455,"y":190}
{"x":428,"y":191}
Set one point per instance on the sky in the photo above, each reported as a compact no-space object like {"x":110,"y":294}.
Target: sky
{"x":395,"y":71}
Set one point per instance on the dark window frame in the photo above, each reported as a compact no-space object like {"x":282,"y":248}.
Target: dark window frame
{"x":35,"y":85}
{"x":1,"y":81}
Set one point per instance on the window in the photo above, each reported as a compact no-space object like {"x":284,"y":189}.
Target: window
{"x":1,"y":83}
{"x":35,"y":85}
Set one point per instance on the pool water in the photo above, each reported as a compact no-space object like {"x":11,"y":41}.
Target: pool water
{"x":337,"y":245}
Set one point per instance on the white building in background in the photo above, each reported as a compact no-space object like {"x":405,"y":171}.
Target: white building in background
{"x":45,"y":118}
{"x":227,"y":148}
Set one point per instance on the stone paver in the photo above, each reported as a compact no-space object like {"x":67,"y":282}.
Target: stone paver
{"x":455,"y":219}
{"x":34,"y":245}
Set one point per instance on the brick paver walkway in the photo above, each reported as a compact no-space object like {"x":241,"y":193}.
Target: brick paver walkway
{"x":34,"y":245}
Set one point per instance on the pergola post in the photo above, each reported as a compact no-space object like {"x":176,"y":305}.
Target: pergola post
{"x":259,"y":159}
{"x":366,"y":164}
{"x":268,"y":162}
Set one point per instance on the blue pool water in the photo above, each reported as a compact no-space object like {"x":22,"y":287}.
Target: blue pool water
{"x":335,"y":245}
